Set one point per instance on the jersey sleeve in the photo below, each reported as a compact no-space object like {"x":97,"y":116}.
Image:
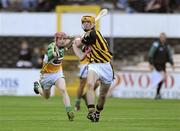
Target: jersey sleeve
{"x":152,"y":52}
{"x":50,"y":51}
{"x":89,"y":37}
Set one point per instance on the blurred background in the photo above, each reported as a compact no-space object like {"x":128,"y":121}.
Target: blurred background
{"x":27,"y":27}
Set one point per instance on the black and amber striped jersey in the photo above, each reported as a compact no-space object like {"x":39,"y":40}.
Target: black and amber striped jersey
{"x":99,"y":47}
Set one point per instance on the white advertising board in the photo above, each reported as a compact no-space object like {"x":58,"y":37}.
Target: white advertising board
{"x":115,"y":24}
{"x":18,"y":82}
{"x":139,"y":85}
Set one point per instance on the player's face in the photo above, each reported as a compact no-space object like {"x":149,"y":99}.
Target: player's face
{"x":87,"y":25}
{"x":163,"y":38}
{"x":59,"y":41}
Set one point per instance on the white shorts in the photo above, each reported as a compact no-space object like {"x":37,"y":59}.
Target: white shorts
{"x":103,"y":70}
{"x":83,"y":70}
{"x":49,"y":79}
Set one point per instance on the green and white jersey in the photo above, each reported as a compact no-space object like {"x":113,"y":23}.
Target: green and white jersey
{"x":51,"y":64}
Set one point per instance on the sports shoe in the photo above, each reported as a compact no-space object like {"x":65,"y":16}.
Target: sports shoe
{"x":70,"y":115}
{"x":97,"y":116}
{"x":158,"y":97}
{"x":36,"y":86}
{"x":92,"y":116}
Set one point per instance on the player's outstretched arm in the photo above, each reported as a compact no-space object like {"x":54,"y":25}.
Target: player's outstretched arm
{"x":69,"y":41}
{"x":78,"y":52}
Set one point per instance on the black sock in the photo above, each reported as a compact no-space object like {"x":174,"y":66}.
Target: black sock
{"x":159,"y":88}
{"x":98,"y":109}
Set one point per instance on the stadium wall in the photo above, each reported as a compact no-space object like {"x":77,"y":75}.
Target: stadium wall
{"x":115,"y":24}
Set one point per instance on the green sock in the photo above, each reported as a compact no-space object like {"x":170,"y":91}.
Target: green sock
{"x":77,"y":102}
{"x":68,"y":108}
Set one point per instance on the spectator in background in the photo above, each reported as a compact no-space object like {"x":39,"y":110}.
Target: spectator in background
{"x":174,"y":6}
{"x":159,"y":54}
{"x":29,"y":5}
{"x":37,"y":59}
{"x":122,"y":4}
{"x":15,"y":5}
{"x":158,"y":6}
{"x":46,"y":5}
{"x":0,"y":5}
{"x":24,"y":56}
{"x":4,"y":4}
{"x":109,"y":4}
{"x":135,"y":6}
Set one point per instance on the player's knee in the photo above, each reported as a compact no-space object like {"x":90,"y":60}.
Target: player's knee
{"x":63,"y":91}
{"x":90,"y":86}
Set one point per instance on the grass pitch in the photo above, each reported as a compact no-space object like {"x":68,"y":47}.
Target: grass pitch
{"x":37,"y":114}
